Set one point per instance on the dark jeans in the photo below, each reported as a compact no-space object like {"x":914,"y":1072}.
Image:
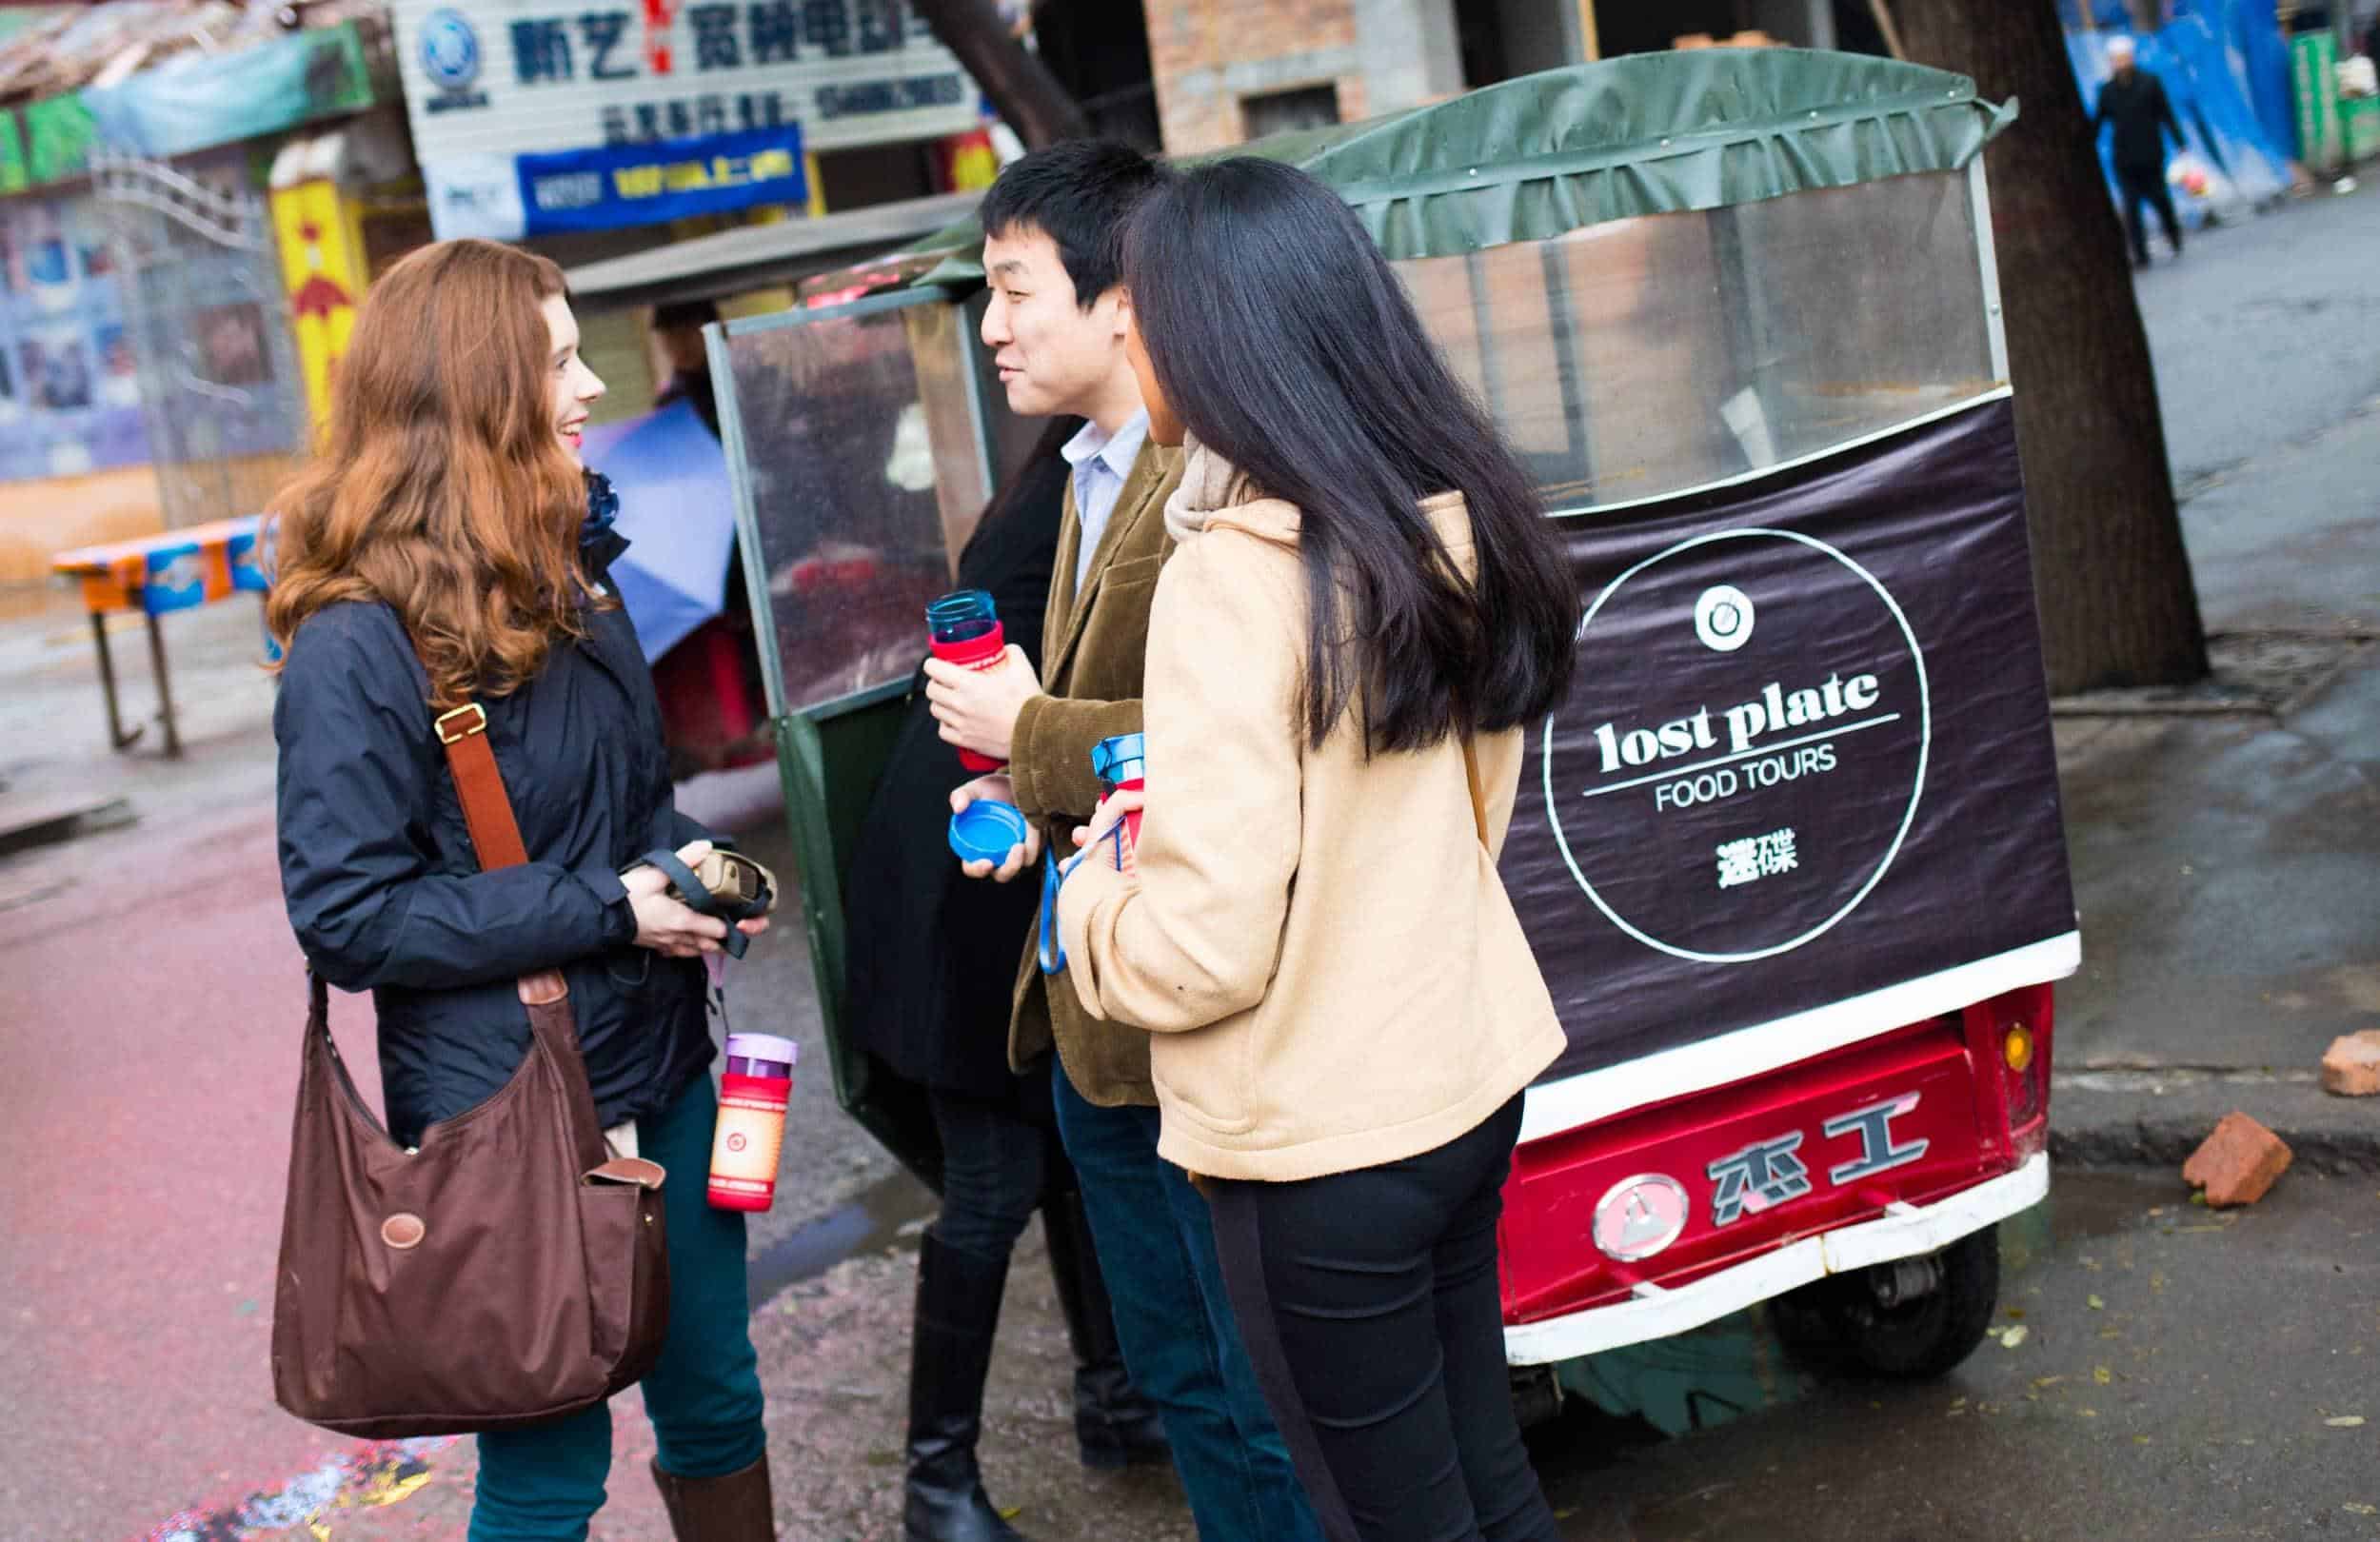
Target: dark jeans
{"x":1370,"y":1303}
{"x":997,"y":1161}
{"x":543,"y":1483}
{"x":1180,"y":1343}
{"x":2147,"y":183}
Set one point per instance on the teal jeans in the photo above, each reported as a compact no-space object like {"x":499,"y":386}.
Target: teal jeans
{"x":544,"y":1484}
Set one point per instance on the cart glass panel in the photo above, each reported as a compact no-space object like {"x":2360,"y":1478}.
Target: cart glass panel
{"x":864,"y":442}
{"x":1647,"y":356}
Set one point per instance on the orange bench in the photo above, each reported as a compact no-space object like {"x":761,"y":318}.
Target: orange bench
{"x":178,"y":570}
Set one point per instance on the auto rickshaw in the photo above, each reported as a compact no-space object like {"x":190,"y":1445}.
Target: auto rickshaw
{"x":1791,"y":854}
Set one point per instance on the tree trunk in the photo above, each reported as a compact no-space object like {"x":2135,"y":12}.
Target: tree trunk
{"x":2117,"y":607}
{"x":1019,"y":85}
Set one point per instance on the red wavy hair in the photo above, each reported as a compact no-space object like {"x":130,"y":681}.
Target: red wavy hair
{"x":441,"y":487}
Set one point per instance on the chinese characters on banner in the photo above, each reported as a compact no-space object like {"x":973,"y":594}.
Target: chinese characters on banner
{"x":530,"y":117}
{"x":1755,"y":819}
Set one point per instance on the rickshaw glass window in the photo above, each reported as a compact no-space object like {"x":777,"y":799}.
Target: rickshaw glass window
{"x":1648,"y":356}
{"x":865,"y":468}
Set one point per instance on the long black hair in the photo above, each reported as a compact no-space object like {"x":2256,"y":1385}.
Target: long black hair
{"x":1282,"y":340}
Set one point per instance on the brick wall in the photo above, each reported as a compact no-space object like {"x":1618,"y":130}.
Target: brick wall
{"x":1206,"y":55}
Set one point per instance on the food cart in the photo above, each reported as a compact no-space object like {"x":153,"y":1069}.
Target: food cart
{"x":1791,"y":854}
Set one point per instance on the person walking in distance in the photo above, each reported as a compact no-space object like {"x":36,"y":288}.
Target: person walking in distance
{"x":2134,"y":100}
{"x":1364,"y":610}
{"x":1056,"y":327}
{"x":447,"y":546}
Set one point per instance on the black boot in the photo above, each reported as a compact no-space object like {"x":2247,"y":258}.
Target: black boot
{"x":956,"y":1312}
{"x":1114,"y":1424}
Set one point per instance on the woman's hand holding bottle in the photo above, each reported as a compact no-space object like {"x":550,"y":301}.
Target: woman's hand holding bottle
{"x":1112,"y":812}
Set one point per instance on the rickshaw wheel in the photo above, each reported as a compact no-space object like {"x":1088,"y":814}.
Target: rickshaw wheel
{"x":1854,"y":1322}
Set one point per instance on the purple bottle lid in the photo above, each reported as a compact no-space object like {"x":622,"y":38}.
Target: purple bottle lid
{"x":749,"y":1054}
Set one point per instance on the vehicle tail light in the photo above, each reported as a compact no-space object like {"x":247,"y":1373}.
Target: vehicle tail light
{"x":2019,"y":1061}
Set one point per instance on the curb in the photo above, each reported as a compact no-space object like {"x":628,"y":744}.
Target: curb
{"x":56,"y":821}
{"x":2156,"y":1118}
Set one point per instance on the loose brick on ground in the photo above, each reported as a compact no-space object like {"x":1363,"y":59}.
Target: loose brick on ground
{"x":2351,"y":1066}
{"x":2238,"y":1162}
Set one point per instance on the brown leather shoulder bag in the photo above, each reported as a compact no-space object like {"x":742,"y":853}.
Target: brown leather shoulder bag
{"x":508,"y":1271}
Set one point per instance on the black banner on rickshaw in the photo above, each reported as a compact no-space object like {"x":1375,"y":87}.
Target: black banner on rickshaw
{"x":1803,"y":790}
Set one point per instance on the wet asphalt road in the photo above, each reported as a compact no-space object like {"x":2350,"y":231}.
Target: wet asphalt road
{"x":2181,"y":1374}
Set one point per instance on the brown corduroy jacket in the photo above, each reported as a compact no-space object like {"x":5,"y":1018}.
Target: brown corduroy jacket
{"x":1093,"y":644}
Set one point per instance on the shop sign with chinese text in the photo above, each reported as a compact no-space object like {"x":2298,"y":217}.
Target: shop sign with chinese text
{"x":530,"y":117}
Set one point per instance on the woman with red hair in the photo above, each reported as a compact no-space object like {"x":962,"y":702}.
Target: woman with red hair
{"x":446,"y":546}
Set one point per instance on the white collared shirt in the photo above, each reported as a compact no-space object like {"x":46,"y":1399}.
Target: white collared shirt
{"x":1103,"y":463}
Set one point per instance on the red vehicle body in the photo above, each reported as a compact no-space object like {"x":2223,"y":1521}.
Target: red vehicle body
{"x":1967,"y":1128}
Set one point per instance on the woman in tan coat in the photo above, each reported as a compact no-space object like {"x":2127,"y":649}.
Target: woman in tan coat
{"x":1364,"y":610}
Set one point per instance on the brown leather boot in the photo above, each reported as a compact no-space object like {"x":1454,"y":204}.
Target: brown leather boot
{"x":737,"y":1508}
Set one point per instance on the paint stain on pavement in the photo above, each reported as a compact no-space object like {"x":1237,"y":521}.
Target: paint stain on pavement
{"x":314,"y":1504}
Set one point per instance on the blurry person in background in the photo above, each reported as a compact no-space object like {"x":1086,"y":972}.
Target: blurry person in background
{"x":681,"y":358}
{"x":2134,"y":100}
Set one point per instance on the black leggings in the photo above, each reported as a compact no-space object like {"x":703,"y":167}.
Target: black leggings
{"x":1000,"y":1158}
{"x":1368,"y":1301}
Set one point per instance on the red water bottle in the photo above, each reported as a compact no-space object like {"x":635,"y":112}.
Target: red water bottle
{"x":750,"y":1135}
{"x":1121,"y":766}
{"x":965,"y":630}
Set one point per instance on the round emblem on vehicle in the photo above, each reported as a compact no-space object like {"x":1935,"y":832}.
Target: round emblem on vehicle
{"x":1723,"y":618}
{"x":403,"y":1231}
{"x":1640,"y":1217}
{"x":449,"y":49}
{"x":1729,"y":792}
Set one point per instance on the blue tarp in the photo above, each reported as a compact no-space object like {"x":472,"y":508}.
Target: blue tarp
{"x":2252,"y":30}
{"x":2206,"y":78}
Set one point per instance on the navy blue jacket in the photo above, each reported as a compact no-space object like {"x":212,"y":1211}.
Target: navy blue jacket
{"x":386,"y":893}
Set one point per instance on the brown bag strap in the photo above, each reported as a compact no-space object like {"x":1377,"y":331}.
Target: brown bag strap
{"x":487,"y":808}
{"x":1478,"y":796}
{"x":496,"y":837}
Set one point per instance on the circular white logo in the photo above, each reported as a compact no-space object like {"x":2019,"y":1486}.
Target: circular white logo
{"x":449,"y":49}
{"x":1728,"y":809}
{"x":1723,"y":618}
{"x":1639,"y":1216}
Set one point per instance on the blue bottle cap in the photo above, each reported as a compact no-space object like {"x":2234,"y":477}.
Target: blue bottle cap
{"x":985,"y":832}
{"x":1120,"y":759}
{"x":961,"y":615}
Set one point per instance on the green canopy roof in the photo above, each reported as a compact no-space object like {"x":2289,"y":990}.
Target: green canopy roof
{"x":1651,"y":133}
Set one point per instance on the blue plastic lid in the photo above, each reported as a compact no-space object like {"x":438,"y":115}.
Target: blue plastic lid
{"x":985,"y":832}
{"x":961,"y":615}
{"x":1120,"y":759}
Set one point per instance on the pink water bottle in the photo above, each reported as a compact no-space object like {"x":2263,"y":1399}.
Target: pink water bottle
{"x":750,"y":1135}
{"x":965,"y":630}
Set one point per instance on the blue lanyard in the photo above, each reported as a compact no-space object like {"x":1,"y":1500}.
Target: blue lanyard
{"x":1053,"y":953}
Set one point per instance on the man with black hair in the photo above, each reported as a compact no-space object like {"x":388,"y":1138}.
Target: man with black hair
{"x":1056,"y":325}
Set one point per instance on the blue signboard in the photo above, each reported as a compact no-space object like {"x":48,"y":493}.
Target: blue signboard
{"x":615,"y":186}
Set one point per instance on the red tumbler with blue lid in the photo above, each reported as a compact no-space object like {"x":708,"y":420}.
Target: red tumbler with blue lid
{"x":964,"y":629}
{"x":1121,"y":766}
